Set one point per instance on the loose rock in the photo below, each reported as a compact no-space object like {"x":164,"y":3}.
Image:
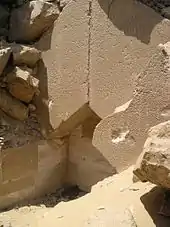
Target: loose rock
{"x":25,"y":55}
{"x":12,"y":106}
{"x":21,"y":84}
{"x":28,"y":22}
{"x":4,"y":57}
{"x":154,"y":162}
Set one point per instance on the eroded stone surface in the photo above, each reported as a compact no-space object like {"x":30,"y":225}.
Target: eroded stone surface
{"x":64,"y":70}
{"x":151,"y":98}
{"x":153,"y":164}
{"x":121,"y":46}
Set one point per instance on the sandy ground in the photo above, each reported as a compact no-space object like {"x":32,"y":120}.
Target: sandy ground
{"x":113,"y":194}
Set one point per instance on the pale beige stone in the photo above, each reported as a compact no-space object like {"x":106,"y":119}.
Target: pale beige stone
{"x":64,"y":71}
{"x":124,"y":35}
{"x":120,"y":136}
{"x":155,"y":160}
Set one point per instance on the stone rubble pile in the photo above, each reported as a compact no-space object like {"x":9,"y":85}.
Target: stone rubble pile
{"x":22,"y":23}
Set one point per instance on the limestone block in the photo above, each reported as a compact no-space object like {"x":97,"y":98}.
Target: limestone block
{"x":32,"y":170}
{"x":30,"y":21}
{"x":51,"y":166}
{"x":22,"y":84}
{"x":120,"y":137}
{"x":65,"y":58}
{"x":124,"y":35}
{"x":155,"y":159}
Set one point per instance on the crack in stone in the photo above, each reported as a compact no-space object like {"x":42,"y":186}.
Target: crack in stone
{"x":89,"y":49}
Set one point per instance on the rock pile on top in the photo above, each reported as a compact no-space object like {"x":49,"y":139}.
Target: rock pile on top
{"x":18,"y":82}
{"x":22,"y":22}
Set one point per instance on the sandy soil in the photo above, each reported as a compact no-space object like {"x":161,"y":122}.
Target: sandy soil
{"x":113,"y":194}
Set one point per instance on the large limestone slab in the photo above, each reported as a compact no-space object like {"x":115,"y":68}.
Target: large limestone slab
{"x":124,"y":35}
{"x":120,"y":137}
{"x":31,"y":170}
{"x":65,"y":60}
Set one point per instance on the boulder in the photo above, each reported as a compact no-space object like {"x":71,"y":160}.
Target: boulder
{"x":154,"y":162}
{"x":25,"y":55}
{"x":4,"y":57}
{"x":21,"y":83}
{"x":120,"y":136}
{"x":12,"y":106}
{"x":30,"y":21}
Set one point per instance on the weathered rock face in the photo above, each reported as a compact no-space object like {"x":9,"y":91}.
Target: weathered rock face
{"x":21,"y":83}
{"x":154,"y":163}
{"x":25,"y":55}
{"x":28,"y":22}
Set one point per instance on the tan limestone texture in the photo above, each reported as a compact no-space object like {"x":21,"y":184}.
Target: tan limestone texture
{"x":30,"y":171}
{"x":86,"y":165}
{"x":65,"y":59}
{"x":120,"y":137}
{"x":124,"y":35}
{"x":153,"y":163}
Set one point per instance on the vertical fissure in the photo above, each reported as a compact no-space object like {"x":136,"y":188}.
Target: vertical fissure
{"x":89,"y":48}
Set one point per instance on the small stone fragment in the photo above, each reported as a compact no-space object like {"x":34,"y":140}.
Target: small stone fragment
{"x":4,"y":57}
{"x":30,"y":21}
{"x":21,"y":84}
{"x":25,"y":55}
{"x":32,"y":108}
{"x":12,"y":106}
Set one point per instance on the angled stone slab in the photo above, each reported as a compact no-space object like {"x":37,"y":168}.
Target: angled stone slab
{"x":124,"y":35}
